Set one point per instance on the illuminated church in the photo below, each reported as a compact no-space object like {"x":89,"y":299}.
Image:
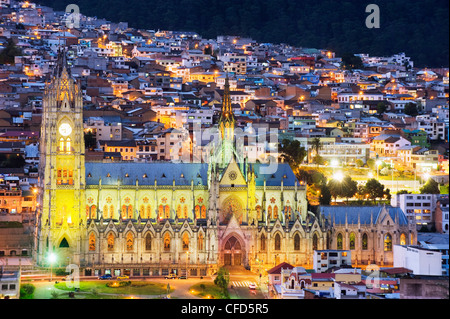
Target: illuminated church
{"x":185,"y":218}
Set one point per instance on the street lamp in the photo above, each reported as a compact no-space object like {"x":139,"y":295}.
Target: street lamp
{"x":378,"y":163}
{"x":426,"y":177}
{"x":338,"y":176}
{"x":51,"y":260}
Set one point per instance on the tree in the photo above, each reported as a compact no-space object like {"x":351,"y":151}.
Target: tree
{"x":350,"y":187}
{"x":292,"y":152}
{"x":9,"y":52}
{"x":316,"y":145}
{"x":411,"y":109}
{"x":381,"y":108}
{"x":26,"y":291}
{"x":325,"y":195}
{"x":359,"y":163}
{"x":90,"y":142}
{"x":371,"y":163}
{"x":222,"y":279}
{"x":430,"y":187}
{"x":351,"y":61}
{"x":374,"y":189}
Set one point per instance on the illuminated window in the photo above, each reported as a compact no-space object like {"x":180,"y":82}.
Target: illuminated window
{"x":269,"y":212}
{"x":387,"y":242}
{"x":61,"y":144}
{"x":110,"y":240}
{"x":352,"y":241}
{"x":185,"y":211}
{"x":185,"y":241}
{"x":167,"y":242}
{"x":203,"y":211}
{"x":275,"y":212}
{"x":200,"y":241}
{"x":179,"y":211}
{"x":68,"y":146}
{"x":149,"y":212}
{"x":92,"y":242}
{"x":130,"y":241}
{"x":402,"y":239}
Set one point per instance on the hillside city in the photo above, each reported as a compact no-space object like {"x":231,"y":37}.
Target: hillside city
{"x":357,"y":130}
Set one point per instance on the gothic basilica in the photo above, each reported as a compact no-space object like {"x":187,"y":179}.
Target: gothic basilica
{"x":185,"y":218}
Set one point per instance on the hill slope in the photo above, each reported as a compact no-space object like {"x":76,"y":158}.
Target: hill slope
{"x":420,"y":28}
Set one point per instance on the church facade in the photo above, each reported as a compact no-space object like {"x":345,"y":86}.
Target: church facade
{"x":184,"y":218}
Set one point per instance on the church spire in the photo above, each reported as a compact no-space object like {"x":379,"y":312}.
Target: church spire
{"x":226,"y":121}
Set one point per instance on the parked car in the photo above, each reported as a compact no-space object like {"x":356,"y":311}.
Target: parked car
{"x":171,"y":276}
{"x":107,"y":276}
{"x":123,"y":277}
{"x":252,"y":286}
{"x":182,"y":277}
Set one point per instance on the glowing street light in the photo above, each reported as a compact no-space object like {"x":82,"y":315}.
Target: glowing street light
{"x":426,"y":177}
{"x":334,"y":163}
{"x":51,"y":260}
{"x":378,"y":163}
{"x":338,"y":176}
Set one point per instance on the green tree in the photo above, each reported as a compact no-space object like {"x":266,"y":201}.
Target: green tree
{"x":351,"y":61}
{"x":430,"y":187}
{"x":292,"y":152}
{"x":325,"y":195}
{"x":381,"y":108}
{"x":27,"y":291}
{"x":90,"y":142}
{"x":223,"y":278}
{"x":349,"y":187}
{"x":374,"y":189}
{"x":411,"y":109}
{"x":9,"y":52}
{"x":359,"y":163}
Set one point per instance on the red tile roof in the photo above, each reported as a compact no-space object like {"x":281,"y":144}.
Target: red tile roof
{"x":277,"y":269}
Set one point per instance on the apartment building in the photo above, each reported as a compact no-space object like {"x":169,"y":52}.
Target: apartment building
{"x":419,"y":208}
{"x":325,"y":259}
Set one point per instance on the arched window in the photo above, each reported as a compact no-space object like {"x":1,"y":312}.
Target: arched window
{"x":352,"y":241}
{"x":197,"y":211}
{"x":185,"y":211}
{"x":340,"y":243}
{"x":277,"y":242}
{"x":402,"y":239}
{"x":68,"y":146}
{"x":111,"y":211}
{"x":412,"y":239}
{"x":110,"y":240}
{"x":161,"y":212}
{"x":275,"y":212}
{"x":91,"y":242}
{"x":185,"y":239}
{"x":297,"y":242}
{"x":149,"y":212}
{"x":203,"y":211}
{"x":167,"y":211}
{"x":61,"y":144}
{"x":269,"y":212}
{"x":142,"y":211}
{"x":200,"y":241}
{"x":263,"y":242}
{"x":130,"y":211}
{"x":179,"y":211}
{"x":148,"y":242}
{"x":93,"y":214}
{"x":105,"y":211}
{"x":130,"y":241}
{"x":124,"y":211}
{"x":315,"y":242}
{"x":258,"y":212}
{"x":365,"y":242}
{"x":387,"y":242}
{"x":167,"y":242}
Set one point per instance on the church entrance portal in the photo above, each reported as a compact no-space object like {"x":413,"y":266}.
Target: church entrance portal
{"x":232,"y":252}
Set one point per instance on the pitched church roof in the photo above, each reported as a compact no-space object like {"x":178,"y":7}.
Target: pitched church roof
{"x":338,"y":214}
{"x":146,"y":173}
